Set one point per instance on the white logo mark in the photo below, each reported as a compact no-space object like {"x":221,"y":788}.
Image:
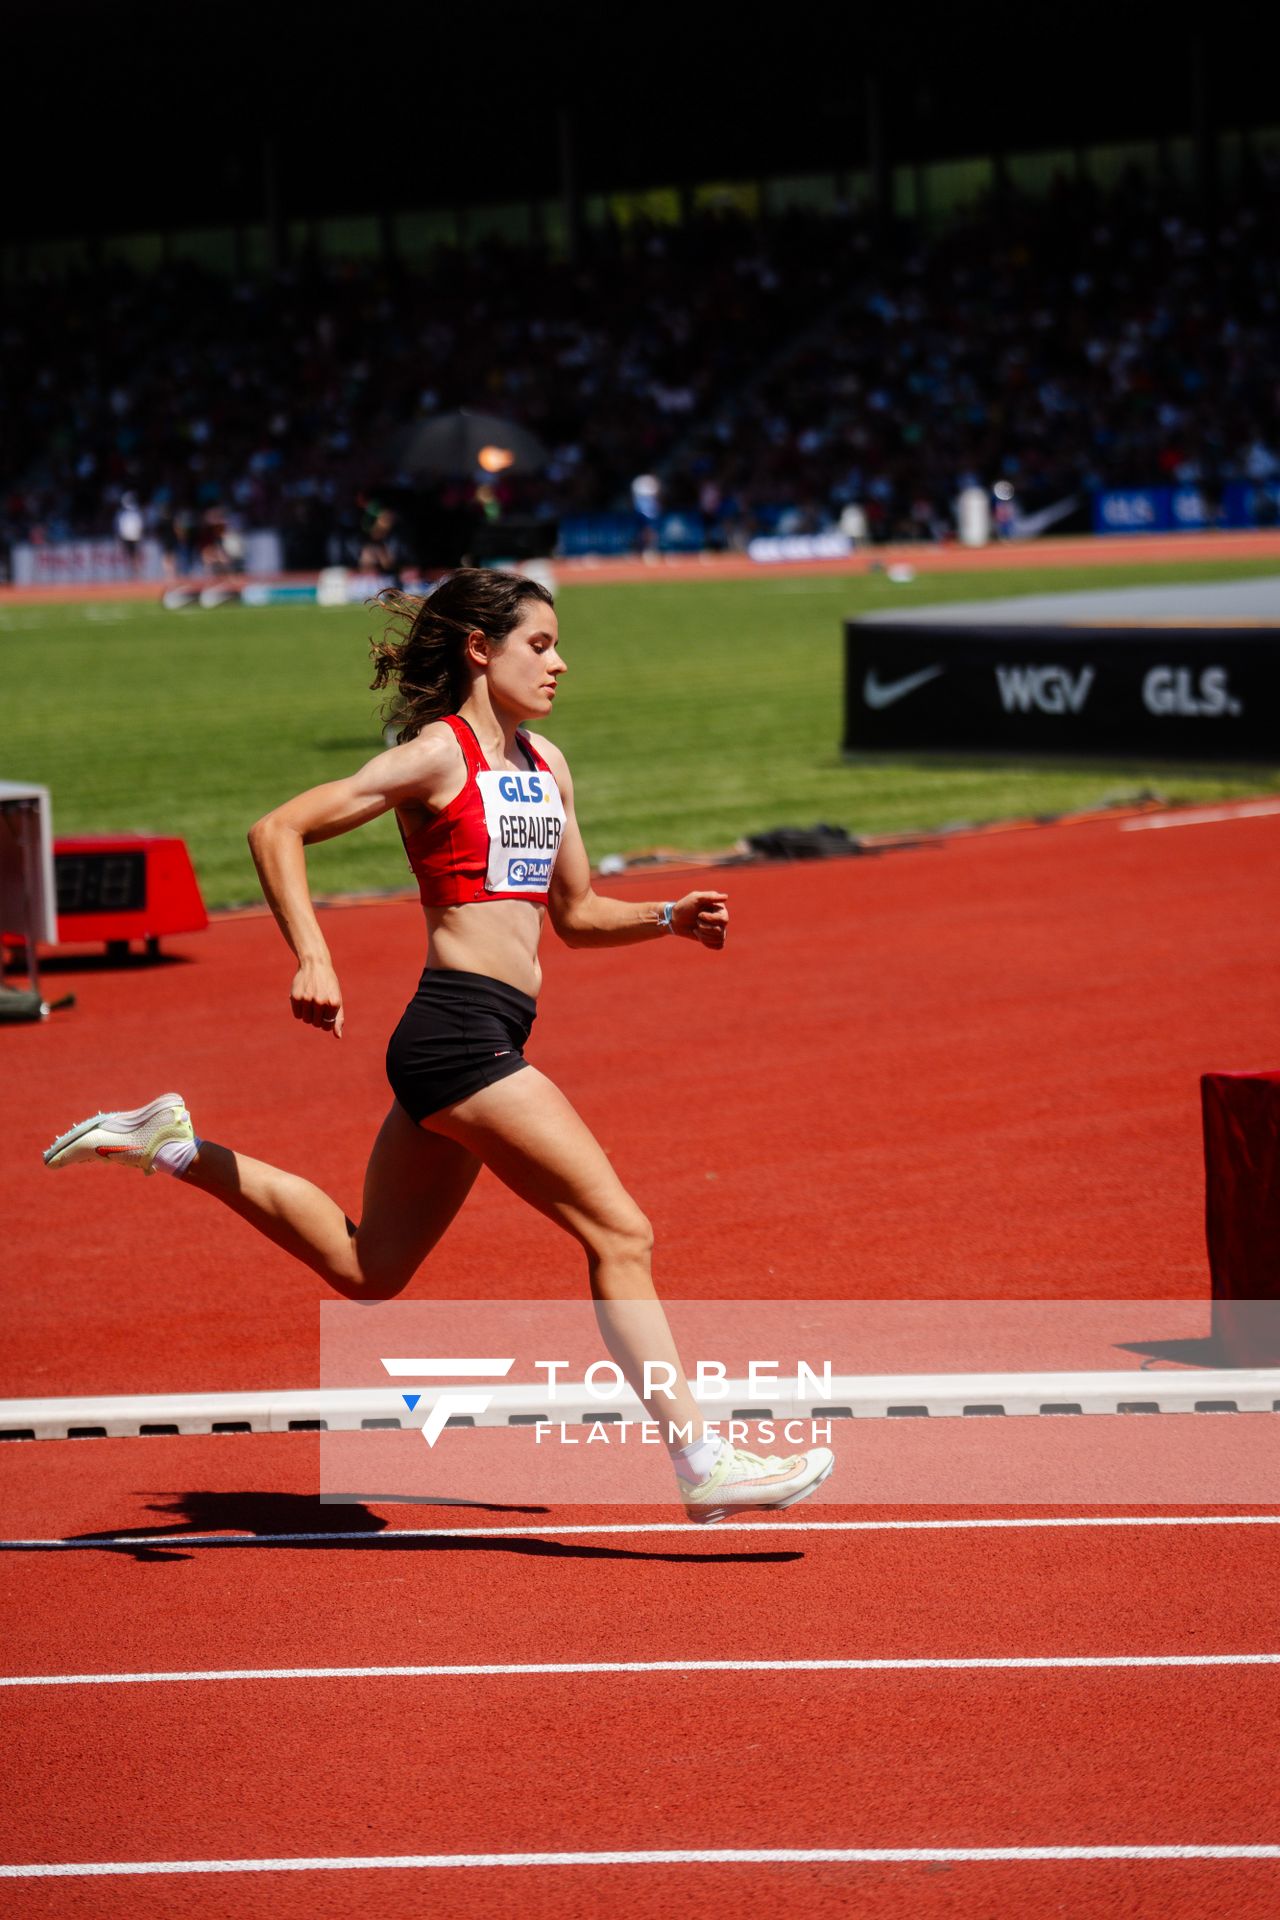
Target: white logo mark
{"x":879,"y":693}
{"x":1051,"y":689}
{"x":1176,"y":690}
{"x":450,"y":1402}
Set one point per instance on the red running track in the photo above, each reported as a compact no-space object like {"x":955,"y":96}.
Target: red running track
{"x":896,"y":1592}
{"x":360,"y":1767}
{"x":964,"y":1071}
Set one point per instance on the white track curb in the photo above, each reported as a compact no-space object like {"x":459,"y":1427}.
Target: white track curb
{"x":875,"y":1396}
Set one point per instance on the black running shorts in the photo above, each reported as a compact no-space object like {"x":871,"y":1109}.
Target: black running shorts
{"x":460,"y":1032}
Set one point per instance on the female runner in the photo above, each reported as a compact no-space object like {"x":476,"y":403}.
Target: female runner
{"x":487,"y":816}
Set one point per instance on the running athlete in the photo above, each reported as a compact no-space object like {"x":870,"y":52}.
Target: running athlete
{"x":486,"y":812}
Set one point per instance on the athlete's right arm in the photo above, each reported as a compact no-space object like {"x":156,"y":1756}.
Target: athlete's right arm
{"x":412,"y":772}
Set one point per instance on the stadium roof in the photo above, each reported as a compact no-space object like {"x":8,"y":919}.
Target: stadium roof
{"x":148,"y":113}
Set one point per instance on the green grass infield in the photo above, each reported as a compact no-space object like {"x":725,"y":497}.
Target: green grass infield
{"x":693,"y":713}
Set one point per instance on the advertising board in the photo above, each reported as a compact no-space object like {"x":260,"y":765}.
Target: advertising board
{"x":1205,"y":694}
{"x":104,"y":563}
{"x":1189,"y":509}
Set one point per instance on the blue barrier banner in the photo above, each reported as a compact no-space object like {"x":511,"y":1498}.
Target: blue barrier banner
{"x":1133,"y":510}
{"x":1242,"y":503}
{"x":582,"y":533}
{"x":1253,"y":503}
{"x":681,"y":533}
{"x":1188,"y":509}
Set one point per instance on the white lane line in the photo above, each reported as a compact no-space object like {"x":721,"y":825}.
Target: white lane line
{"x":520,"y":1669}
{"x":405,"y":1536}
{"x":1200,"y":816}
{"x":665,"y":1857}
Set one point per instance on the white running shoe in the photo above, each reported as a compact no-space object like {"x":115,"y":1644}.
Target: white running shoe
{"x":742,"y":1482}
{"x":130,"y":1139}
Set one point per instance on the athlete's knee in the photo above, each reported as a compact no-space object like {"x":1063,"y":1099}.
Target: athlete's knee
{"x":384,"y":1286}
{"x":624,"y":1235}
{"x":642,"y":1234}
{"x":372,"y":1272}
{"x":357,"y":1284}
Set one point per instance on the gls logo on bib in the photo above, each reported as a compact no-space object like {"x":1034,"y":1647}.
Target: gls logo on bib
{"x":524,"y":816}
{"x":515,"y":786}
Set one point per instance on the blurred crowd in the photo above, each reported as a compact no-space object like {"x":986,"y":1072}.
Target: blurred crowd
{"x":768,"y":375}
{"x":1043,"y":348}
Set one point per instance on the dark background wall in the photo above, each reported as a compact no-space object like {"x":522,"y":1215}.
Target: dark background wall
{"x":147,"y":113}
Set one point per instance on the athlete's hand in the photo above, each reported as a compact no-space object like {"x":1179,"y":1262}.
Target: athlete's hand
{"x":316,"y":997}
{"x":703,"y":917}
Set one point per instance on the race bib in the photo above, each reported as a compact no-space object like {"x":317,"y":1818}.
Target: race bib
{"x":524,"y":815}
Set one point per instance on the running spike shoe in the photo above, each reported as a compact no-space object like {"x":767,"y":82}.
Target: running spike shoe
{"x":742,"y":1482}
{"x":130,"y":1139}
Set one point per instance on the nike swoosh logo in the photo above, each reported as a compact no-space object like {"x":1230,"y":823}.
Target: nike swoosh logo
{"x":879,"y":693}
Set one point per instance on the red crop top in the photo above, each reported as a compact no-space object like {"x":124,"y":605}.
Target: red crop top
{"x":497,"y":839}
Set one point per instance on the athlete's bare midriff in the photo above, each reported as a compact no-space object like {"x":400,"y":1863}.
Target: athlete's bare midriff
{"x":498,"y":938}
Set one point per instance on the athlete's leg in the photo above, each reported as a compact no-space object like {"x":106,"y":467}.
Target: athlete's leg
{"x":414,"y":1186}
{"x":527,"y":1132}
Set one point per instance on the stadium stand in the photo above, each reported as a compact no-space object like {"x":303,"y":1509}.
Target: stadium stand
{"x":770,"y":371}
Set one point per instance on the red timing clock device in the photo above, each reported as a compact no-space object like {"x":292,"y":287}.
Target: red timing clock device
{"x":120,"y":887}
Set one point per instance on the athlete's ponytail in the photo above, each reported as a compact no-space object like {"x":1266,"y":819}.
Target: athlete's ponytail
{"x":422,"y":649}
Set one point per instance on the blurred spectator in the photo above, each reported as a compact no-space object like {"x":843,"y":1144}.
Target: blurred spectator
{"x":221,"y":548}
{"x":379,"y":551}
{"x":853,"y":523}
{"x":130,"y":527}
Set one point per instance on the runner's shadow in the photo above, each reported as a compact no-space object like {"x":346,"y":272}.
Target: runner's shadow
{"x":1202,"y":1350}
{"x":297,"y":1522}
{"x":298,"y":1517}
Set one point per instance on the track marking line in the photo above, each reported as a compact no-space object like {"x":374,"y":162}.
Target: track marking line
{"x":521,"y":1669}
{"x":412,"y":1536}
{"x":1201,"y":816}
{"x":666,"y":1857}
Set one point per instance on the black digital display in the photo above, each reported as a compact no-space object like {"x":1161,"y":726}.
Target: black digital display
{"x":100,"y":882}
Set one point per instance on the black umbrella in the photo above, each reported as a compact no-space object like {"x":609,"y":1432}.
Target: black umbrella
{"x":453,"y":444}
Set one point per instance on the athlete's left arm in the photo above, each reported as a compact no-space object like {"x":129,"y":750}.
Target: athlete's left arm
{"x":584,"y":918}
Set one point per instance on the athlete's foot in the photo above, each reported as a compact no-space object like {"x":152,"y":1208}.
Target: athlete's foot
{"x":742,"y":1482}
{"x":130,"y":1139}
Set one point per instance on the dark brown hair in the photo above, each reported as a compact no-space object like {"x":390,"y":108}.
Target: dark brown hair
{"x":422,"y":649}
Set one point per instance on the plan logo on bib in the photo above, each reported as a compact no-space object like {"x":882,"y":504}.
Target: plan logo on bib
{"x":530,"y":873}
